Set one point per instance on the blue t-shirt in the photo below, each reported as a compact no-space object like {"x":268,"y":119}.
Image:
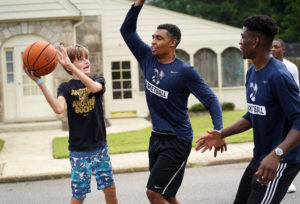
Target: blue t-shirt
{"x":168,"y":86}
{"x":273,"y":108}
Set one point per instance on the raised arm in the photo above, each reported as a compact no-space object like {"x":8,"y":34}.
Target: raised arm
{"x":128,"y":31}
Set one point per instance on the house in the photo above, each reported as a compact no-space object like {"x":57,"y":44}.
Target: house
{"x":209,"y":46}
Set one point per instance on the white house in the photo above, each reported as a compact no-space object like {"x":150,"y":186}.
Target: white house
{"x":209,"y":46}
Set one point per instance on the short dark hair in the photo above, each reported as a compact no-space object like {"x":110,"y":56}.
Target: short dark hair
{"x":280,"y":41}
{"x":263,"y":25}
{"x":173,"y":31}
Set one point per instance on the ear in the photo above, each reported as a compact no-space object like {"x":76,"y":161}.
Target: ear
{"x":173,"y":43}
{"x":256,"y":42}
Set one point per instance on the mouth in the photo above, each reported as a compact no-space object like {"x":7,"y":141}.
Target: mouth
{"x":87,"y":68}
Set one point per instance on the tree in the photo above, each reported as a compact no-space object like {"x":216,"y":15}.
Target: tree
{"x":232,"y":12}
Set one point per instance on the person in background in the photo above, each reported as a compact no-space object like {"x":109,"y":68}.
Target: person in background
{"x":278,"y":50}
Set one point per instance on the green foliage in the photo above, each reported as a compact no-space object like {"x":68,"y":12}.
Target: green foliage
{"x":1,"y":144}
{"x":228,"y":106}
{"x":232,"y":12}
{"x":197,"y":108}
{"x":138,"y":140}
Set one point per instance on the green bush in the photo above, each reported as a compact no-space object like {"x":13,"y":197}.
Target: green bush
{"x":1,"y":144}
{"x":228,"y":106}
{"x":197,"y":108}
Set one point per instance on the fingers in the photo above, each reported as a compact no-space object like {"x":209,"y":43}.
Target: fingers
{"x":216,"y":152}
{"x":265,"y":176}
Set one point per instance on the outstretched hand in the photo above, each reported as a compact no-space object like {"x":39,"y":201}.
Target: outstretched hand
{"x":63,"y":58}
{"x":212,"y":139}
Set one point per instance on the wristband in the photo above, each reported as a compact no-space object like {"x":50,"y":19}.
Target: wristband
{"x":39,"y":81}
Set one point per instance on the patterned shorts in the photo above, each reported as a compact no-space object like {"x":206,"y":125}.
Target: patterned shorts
{"x":83,"y":164}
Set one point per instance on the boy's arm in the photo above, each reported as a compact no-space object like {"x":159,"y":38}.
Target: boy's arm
{"x":57,"y":104}
{"x":64,"y":60}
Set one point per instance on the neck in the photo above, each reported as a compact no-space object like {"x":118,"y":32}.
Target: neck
{"x":261,"y":60}
{"x":166,"y":59}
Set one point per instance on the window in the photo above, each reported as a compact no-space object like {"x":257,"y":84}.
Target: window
{"x":232,"y":67}
{"x":9,"y":67}
{"x":205,"y":61}
{"x":183,"y":55}
{"x":121,"y":80}
{"x":141,"y":79}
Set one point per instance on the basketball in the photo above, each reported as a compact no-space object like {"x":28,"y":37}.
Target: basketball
{"x":40,"y":57}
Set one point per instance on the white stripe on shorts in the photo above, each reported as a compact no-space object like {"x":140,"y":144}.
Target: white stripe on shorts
{"x":271,"y":189}
{"x":182,"y":165}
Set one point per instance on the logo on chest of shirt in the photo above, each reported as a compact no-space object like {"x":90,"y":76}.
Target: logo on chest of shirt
{"x":158,"y":76}
{"x":84,"y":104}
{"x":253,"y":89}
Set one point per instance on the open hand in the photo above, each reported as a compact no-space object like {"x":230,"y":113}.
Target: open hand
{"x":212,"y":139}
{"x":63,"y":58}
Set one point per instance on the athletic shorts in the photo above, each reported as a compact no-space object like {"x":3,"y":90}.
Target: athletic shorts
{"x":83,"y":164}
{"x":251,"y":191}
{"x":167,"y":160}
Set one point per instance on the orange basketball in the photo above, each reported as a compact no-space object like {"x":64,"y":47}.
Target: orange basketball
{"x":40,"y":57}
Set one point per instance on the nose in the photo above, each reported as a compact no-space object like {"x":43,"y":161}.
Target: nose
{"x":240,"y":42}
{"x":153,"y":41}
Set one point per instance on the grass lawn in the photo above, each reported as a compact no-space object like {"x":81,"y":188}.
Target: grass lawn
{"x":1,"y":144}
{"x":137,"y":141}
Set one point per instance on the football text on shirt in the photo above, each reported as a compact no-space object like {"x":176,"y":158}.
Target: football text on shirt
{"x":155,"y":90}
{"x":255,"y":109}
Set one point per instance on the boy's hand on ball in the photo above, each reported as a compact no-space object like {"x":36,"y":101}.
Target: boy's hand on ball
{"x":31,"y":74}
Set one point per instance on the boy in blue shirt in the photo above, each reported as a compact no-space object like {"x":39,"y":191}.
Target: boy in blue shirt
{"x":168,"y":84}
{"x":273,"y":114}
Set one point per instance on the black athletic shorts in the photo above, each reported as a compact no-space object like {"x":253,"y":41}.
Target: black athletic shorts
{"x":167,"y":160}
{"x":251,"y":191}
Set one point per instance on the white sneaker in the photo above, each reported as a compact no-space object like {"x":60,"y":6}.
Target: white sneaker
{"x":292,"y":188}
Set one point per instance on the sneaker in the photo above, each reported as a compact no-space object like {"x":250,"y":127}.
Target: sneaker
{"x":292,"y":188}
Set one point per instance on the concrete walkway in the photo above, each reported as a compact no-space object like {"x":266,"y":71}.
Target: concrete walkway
{"x":28,"y":155}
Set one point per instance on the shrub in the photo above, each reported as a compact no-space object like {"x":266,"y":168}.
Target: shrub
{"x":197,"y":108}
{"x":228,"y":106}
{"x":1,"y":144}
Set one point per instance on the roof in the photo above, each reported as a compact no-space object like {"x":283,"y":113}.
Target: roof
{"x":37,"y":9}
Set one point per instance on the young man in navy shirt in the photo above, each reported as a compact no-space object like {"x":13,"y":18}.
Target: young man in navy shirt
{"x":273,"y":114}
{"x":168,"y":84}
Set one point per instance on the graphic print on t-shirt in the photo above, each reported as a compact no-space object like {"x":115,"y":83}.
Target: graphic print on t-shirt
{"x":158,"y":75}
{"x":84,"y":104}
{"x":254,"y":88}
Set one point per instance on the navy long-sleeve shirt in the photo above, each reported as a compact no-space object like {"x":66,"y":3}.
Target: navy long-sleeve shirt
{"x":273,"y":108}
{"x":168,"y":86}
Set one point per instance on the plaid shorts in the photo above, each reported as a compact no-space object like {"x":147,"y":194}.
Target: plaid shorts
{"x":83,"y":164}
